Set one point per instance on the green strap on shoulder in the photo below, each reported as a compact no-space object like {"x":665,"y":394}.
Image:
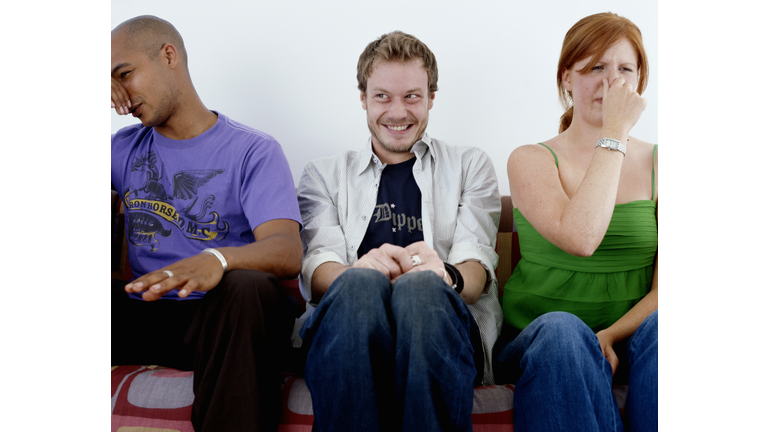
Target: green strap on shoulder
{"x":557,"y":164}
{"x":653,"y":173}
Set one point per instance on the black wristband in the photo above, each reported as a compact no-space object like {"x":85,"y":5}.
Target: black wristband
{"x":458,"y":281}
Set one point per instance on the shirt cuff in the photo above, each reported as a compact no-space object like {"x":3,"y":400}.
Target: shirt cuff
{"x":486,"y":256}
{"x":308,"y":268}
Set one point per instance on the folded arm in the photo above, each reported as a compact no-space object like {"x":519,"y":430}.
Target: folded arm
{"x":576,"y":224}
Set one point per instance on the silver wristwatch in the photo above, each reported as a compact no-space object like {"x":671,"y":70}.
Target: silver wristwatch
{"x":611,"y":144}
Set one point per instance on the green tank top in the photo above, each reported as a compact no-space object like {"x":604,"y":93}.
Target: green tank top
{"x":598,"y":289}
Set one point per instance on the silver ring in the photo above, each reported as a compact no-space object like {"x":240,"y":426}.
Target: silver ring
{"x":415,"y":260}
{"x":444,"y":273}
{"x":168,"y":273}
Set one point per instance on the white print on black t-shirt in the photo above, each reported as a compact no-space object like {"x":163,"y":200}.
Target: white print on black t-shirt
{"x":384,"y":212}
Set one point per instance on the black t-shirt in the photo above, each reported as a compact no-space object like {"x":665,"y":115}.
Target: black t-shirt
{"x":397,"y":216}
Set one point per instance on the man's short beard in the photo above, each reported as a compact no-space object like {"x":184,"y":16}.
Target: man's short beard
{"x":387,"y":147}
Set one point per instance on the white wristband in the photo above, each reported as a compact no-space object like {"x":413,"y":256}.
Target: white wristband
{"x":218,"y":255}
{"x":445,"y":275}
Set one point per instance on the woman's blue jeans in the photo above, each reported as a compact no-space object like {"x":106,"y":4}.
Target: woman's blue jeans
{"x":390,"y":357}
{"x":563,"y":382}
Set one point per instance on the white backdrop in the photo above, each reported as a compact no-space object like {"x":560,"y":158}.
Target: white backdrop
{"x":288,"y":68}
{"x":711,"y":119}
{"x":712,"y":113}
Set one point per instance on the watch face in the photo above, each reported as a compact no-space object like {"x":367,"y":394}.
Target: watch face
{"x":609,"y":143}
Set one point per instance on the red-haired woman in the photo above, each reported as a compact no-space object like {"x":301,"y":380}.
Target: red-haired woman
{"x":583,"y":300}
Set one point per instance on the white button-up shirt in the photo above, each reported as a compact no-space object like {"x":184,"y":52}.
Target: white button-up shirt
{"x":460,"y":207}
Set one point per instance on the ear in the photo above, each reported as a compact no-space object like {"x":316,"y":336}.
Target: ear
{"x":169,"y":55}
{"x":431,"y":100}
{"x":362,"y":100}
{"x":567,"y":80}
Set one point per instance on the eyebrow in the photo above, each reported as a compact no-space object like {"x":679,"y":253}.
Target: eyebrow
{"x":383,"y":90}
{"x":118,"y":67}
{"x":601,"y":61}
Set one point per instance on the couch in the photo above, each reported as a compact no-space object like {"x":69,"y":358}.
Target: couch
{"x":153,"y":398}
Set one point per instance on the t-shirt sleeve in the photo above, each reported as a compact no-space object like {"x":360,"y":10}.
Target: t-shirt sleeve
{"x":122,"y":143}
{"x":268,"y":191}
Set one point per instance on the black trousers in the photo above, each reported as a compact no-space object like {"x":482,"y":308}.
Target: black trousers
{"x":233,"y":339}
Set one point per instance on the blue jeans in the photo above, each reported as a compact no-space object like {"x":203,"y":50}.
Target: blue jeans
{"x":563,"y":382}
{"x":390,"y":357}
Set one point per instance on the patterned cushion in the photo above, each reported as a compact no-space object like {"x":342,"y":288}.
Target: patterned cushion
{"x":151,"y":399}
{"x":156,"y":399}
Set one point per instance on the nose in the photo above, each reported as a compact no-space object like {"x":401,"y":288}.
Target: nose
{"x":397,"y":109}
{"x":612,"y":75}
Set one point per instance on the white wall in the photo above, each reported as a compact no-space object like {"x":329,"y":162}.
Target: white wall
{"x":288,"y":67}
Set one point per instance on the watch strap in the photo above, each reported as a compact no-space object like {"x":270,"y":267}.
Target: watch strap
{"x":611,"y":144}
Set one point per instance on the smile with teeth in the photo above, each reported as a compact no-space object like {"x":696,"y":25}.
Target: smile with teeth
{"x":397,"y":128}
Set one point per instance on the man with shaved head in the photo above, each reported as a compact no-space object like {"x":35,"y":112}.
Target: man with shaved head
{"x":212,"y":223}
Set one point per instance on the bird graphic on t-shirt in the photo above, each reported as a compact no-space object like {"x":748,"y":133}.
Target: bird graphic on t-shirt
{"x":185,"y":184}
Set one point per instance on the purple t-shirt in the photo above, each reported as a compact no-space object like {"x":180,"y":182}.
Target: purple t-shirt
{"x":182,"y":196}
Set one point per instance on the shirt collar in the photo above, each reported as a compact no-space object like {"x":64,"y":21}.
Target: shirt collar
{"x":366,"y":157}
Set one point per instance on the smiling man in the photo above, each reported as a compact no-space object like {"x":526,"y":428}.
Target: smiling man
{"x":212,"y":221}
{"x":399,"y":245}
